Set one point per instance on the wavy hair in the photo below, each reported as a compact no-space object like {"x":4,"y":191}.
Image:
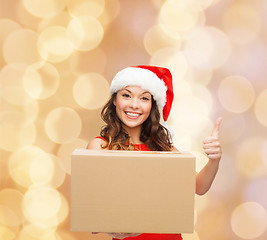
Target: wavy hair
{"x":153,"y":134}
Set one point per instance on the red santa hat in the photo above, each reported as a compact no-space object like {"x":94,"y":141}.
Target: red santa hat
{"x":157,"y":80}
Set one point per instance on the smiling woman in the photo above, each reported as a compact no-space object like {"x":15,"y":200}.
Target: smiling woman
{"x":132,"y":117}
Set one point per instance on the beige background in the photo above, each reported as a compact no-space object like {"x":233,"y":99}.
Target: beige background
{"x":57,"y":60}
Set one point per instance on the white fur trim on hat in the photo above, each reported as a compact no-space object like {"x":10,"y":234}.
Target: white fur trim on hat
{"x":143,"y":78}
{"x":169,"y":128}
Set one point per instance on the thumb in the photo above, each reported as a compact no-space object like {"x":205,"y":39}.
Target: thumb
{"x":215,"y":131}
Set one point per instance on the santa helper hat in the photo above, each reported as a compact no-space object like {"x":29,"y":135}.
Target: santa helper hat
{"x":157,"y":80}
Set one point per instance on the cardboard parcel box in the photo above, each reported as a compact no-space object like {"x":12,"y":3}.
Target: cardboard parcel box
{"x":132,"y":191}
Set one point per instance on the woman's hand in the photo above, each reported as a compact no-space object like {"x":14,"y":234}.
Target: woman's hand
{"x":211,"y":144}
{"x":212,"y":148}
{"x":123,"y":235}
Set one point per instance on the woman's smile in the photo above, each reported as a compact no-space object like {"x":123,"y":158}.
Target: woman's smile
{"x":132,"y":115}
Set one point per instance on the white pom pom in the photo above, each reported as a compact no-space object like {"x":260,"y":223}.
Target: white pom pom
{"x":169,"y":128}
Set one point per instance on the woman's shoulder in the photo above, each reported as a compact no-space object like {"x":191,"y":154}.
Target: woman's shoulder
{"x":96,"y":143}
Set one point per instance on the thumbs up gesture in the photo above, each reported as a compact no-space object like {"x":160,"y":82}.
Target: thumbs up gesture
{"x":211,"y":144}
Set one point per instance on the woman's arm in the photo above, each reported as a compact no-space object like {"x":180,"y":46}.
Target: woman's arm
{"x":212,"y":148}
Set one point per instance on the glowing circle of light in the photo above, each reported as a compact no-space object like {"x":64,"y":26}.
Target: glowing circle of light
{"x":207,"y":48}
{"x":7,"y":233}
{"x":230,"y":122}
{"x":41,"y":169}
{"x":155,"y":39}
{"x":223,"y":189}
{"x":91,"y":91}
{"x":191,"y":114}
{"x":32,"y":82}
{"x":13,"y":137}
{"x":242,"y":23}
{"x":8,"y":217}
{"x":85,"y":33}
{"x":63,"y":212}
{"x":111,"y":11}
{"x":236,"y":94}
{"x":61,"y":19}
{"x":80,"y":59}
{"x":10,"y":211}
{"x":177,"y":16}
{"x":13,"y":92}
{"x":59,"y":172}
{"x":249,"y":158}
{"x":249,"y":220}
{"x":215,"y":208}
{"x":20,"y":47}
{"x":13,"y":117}
{"x":63,"y":125}
{"x":182,"y":89}
{"x":44,"y":9}
{"x":173,"y":59}
{"x":19,"y":116}
{"x":16,"y":95}
{"x":264,"y":152}
{"x":197,"y":5}
{"x":200,"y":76}
{"x":203,"y":94}
{"x":260,"y":108}
{"x":7,"y":26}
{"x":26,"y":19}
{"x":20,"y":162}
{"x":41,"y":81}
{"x":41,"y":203}
{"x":34,"y":231}
{"x":65,"y":150}
{"x":255,"y":191}
{"x":184,"y":141}
{"x":49,"y":222}
{"x":54,"y":45}
{"x":92,"y":8}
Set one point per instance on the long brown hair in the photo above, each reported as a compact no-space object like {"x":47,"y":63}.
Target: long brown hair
{"x":153,"y":134}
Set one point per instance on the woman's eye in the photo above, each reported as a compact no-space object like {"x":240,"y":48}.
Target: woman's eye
{"x":125,"y":95}
{"x":145,"y":99}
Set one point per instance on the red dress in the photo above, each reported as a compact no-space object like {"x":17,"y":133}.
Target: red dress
{"x":151,"y":236}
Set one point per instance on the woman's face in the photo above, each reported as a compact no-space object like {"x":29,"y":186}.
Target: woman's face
{"x":133,"y":105}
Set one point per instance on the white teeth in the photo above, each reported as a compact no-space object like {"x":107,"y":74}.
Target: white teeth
{"x":132,"y":114}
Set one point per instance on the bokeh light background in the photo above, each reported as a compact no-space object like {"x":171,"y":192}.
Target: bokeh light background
{"x":57,"y":60}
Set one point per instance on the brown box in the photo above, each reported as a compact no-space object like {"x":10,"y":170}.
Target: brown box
{"x":132,"y":191}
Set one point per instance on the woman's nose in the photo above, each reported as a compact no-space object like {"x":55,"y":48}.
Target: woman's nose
{"x":134,"y":103}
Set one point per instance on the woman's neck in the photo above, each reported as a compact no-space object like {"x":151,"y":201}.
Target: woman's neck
{"x":134,"y":134}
